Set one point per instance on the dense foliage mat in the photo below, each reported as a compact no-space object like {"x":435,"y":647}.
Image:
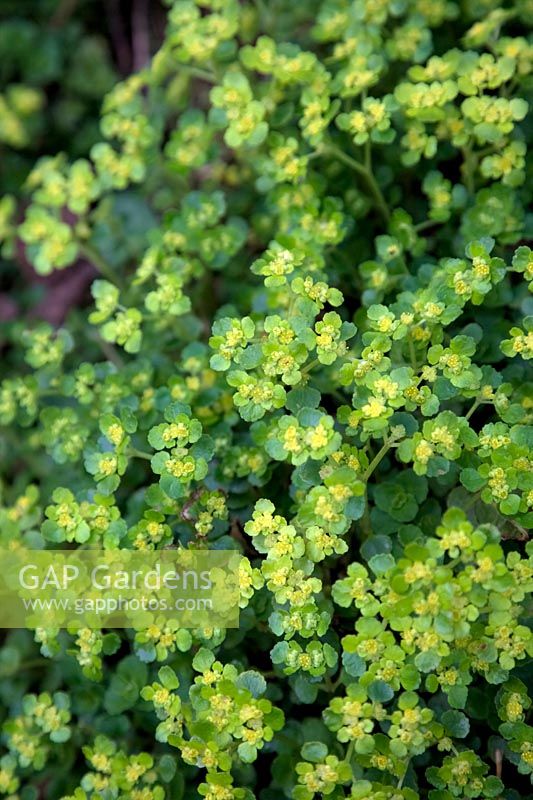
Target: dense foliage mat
{"x":309,"y":342}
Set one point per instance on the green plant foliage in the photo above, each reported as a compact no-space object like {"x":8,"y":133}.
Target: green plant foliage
{"x":309,"y":342}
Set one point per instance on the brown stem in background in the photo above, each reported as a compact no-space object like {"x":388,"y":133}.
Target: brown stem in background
{"x":119,"y":38}
{"x":237,"y":533}
{"x":64,"y":293}
{"x":140,"y":34}
{"x":63,"y":12}
{"x":8,"y":308}
{"x":186,"y":510}
{"x":63,"y":289}
{"x":498,"y":760}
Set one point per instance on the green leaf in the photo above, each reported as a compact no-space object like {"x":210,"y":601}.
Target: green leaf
{"x":426,"y":662}
{"x":125,"y":685}
{"x":457,"y":696}
{"x":302,"y":397}
{"x":167,"y":768}
{"x":382,"y":563}
{"x":305,"y":691}
{"x":247,"y":752}
{"x":110,"y":643}
{"x":510,"y":505}
{"x":168,"y":678}
{"x":380,"y":692}
{"x":203,"y":660}
{"x":456,"y":724}
{"x":353,"y":664}
{"x":252,"y":681}
{"x":472,"y":480}
{"x":314,"y":751}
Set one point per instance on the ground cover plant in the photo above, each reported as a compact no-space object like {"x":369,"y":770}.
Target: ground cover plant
{"x":309,"y":342}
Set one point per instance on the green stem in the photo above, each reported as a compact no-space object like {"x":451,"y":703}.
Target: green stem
{"x":261,"y":8}
{"x":366,"y":524}
{"x":401,"y":780}
{"x":337,"y":395}
{"x":109,"y":351}
{"x":412,"y":354}
{"x":100,"y":263}
{"x":312,"y":364}
{"x":367,"y":176}
{"x":473,"y":499}
{"x":378,"y":458}
{"x":477,"y":402}
{"x":37,"y":662}
{"x":468,"y":169}
{"x":349,"y":752}
{"x":134,"y":453}
{"x":197,"y":72}
{"x":368,"y":156}
{"x":428,"y":223}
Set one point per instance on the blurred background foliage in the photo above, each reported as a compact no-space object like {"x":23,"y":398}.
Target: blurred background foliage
{"x":58,"y":59}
